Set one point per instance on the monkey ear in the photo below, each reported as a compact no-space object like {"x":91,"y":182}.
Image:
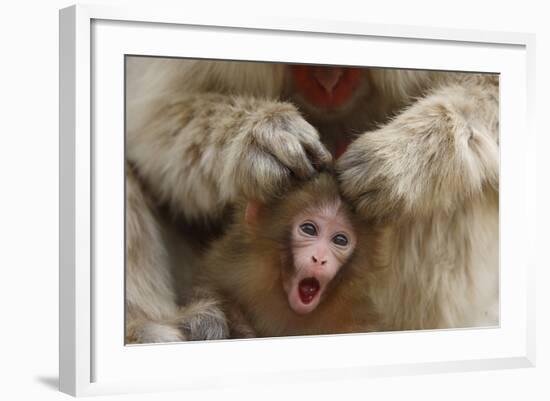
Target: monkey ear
{"x":252,"y":212}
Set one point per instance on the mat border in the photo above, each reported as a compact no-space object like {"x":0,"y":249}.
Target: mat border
{"x":75,"y":173}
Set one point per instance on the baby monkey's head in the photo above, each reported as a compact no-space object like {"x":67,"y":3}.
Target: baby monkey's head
{"x":314,"y":230}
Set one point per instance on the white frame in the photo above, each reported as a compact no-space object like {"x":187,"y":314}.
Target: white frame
{"x":78,"y":373}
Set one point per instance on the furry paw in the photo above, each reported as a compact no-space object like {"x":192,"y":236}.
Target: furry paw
{"x":434,"y":156}
{"x":203,"y":320}
{"x":276,"y":146}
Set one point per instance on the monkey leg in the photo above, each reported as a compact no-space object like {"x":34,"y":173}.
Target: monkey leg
{"x":437,"y":155}
{"x":150,"y":296}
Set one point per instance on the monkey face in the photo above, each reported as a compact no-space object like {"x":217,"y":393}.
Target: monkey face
{"x":322,"y":240}
{"x":327,"y":89}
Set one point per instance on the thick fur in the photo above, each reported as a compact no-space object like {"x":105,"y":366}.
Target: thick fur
{"x":246,"y":266}
{"x":203,"y":134}
{"x":152,"y":314}
{"x":150,"y":293}
{"x":432,"y":173}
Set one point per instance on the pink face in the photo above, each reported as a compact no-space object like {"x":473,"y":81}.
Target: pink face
{"x":322,"y":241}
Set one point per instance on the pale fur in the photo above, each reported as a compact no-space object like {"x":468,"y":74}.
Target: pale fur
{"x":150,"y":293}
{"x":432,"y":173}
{"x":202,"y":134}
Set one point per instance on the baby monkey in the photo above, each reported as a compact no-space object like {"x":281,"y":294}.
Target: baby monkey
{"x":298,"y":265}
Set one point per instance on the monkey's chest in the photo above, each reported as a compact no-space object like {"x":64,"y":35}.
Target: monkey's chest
{"x":277,"y":319}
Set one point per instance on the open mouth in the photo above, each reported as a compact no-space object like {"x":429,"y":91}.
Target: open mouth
{"x":308,"y":288}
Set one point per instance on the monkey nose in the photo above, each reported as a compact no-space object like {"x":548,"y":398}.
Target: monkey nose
{"x":316,"y":260}
{"x":328,"y":77}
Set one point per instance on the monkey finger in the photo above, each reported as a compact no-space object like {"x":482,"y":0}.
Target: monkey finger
{"x":261,"y":175}
{"x":309,"y":139}
{"x":318,"y":154}
{"x":294,"y":157}
{"x":320,"y":157}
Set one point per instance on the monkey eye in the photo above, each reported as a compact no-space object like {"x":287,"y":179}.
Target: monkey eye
{"x":309,"y":229}
{"x":340,"y":239}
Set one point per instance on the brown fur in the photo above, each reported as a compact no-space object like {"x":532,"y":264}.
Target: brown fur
{"x":246,"y":267}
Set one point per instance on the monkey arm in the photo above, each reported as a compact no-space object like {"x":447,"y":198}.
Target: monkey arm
{"x":434,"y":156}
{"x":203,"y":151}
{"x":150,"y":295}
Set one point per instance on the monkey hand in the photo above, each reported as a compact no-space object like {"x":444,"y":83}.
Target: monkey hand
{"x":368,"y":176}
{"x":274,"y":146}
{"x":433,"y":157}
{"x":203,"y":320}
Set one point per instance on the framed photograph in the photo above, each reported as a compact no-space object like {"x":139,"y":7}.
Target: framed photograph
{"x":479,"y":83}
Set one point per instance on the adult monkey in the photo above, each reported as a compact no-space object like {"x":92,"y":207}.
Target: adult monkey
{"x":424,"y":158}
